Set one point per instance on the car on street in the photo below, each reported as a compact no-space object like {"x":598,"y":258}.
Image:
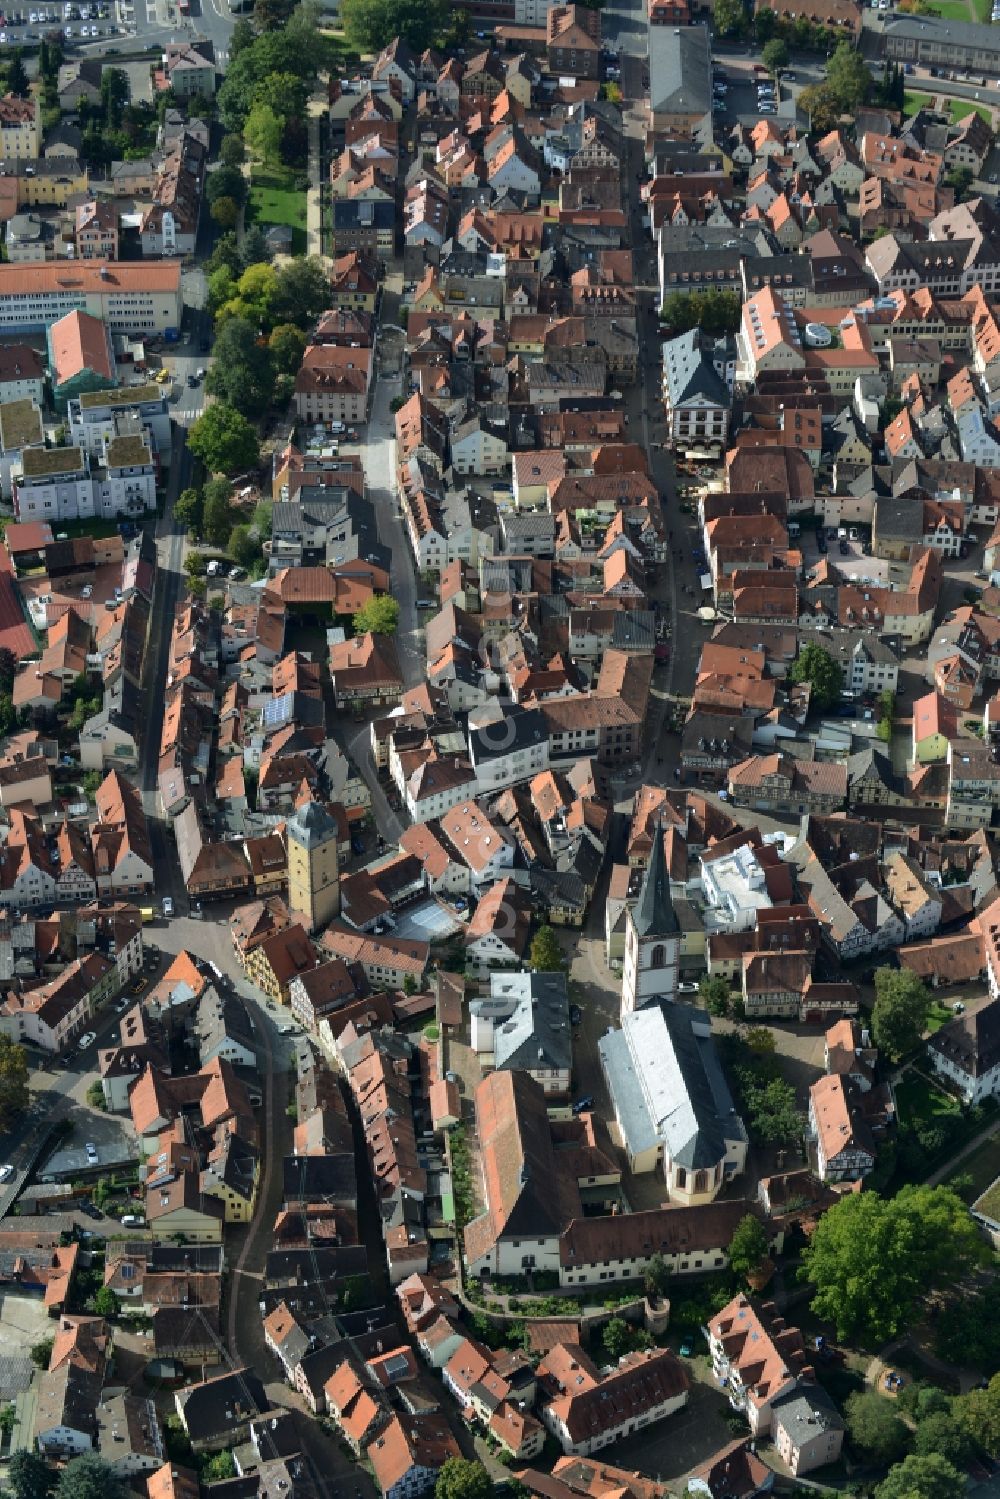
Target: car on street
{"x":168,"y":905}
{"x":6,"y":1172}
{"x":91,"y":1150}
{"x":87,"y":1039}
{"x":687,"y":987}
{"x":285,"y":1030}
{"x":85,"y":1205}
{"x":583,"y":1104}
{"x":575,"y":1015}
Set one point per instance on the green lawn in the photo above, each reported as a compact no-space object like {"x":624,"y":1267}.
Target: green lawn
{"x":938,"y":1015}
{"x":951,"y":10}
{"x":275,"y":200}
{"x":983,"y":11}
{"x":913,"y":102}
{"x":983,"y":1165}
{"x":959,"y":108}
{"x":94,"y":528}
{"x":920,"y":1102}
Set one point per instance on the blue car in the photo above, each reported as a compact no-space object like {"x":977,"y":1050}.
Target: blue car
{"x":357,"y":847}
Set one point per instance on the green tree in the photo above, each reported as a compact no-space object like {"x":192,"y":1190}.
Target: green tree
{"x":226,"y":182}
{"x":617,"y":1337}
{"x":656,"y":1280}
{"x":8,"y":715}
{"x":820,"y":103}
{"x":8,"y":1419}
{"x":251,"y":299}
{"x":713,"y":311}
{"x":287,"y":345}
{"x":187,"y":510}
{"x":225,"y":212}
{"x":960,"y":179}
{"x":760,"y":1040}
{"x":302,"y":292}
{"x":715,"y":992}
{"x":263,"y":517}
{"x":219,"y":1466}
{"x":232,"y":152}
{"x":87,"y":1477}
{"x":218,"y":518}
{"x":370,"y":24}
{"x":774,"y":1116}
{"x":194,"y":565}
{"x":224,"y":440}
{"x":546,"y":956}
{"x":816,"y":666}
{"x":8,"y":668}
{"x":284,"y":93}
{"x":17,"y":76}
{"x":242,"y":372}
{"x":775,"y":55}
{"x":255,"y":251}
{"x":461,"y":1478}
{"x":875,"y":1428}
{"x":95,"y":1095}
{"x":241,"y":37}
{"x":106,"y":1303}
{"x":729,"y":18}
{"x":380,"y":615}
{"x":225,"y":256}
{"x":902,"y":1006}
{"x":849,"y":78}
{"x":765,"y":24}
{"x":871,"y":1259}
{"x":942,"y":1433}
{"x":262,"y":134}
{"x":979,"y":1415}
{"x":244,"y":547}
{"x":748,"y":1247}
{"x":13,"y":1080}
{"x":29,"y":1475}
{"x":922,"y":1477}
{"x":115,"y":94}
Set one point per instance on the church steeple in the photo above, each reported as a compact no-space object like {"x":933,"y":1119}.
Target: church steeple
{"x":654,"y":914}
{"x":652,"y":936}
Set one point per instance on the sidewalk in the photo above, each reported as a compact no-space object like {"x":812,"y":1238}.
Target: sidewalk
{"x":314,"y":193}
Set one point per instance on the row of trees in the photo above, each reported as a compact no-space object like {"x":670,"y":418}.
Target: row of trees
{"x":714,"y":311}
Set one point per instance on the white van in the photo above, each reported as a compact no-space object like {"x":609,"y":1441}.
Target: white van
{"x":134,"y":1220}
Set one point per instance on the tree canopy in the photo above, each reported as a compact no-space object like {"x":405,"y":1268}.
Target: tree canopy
{"x":979,"y":1414}
{"x":226,"y":182}
{"x":461,"y":1478}
{"x":88,"y":1477}
{"x":371,"y":24}
{"x":713,"y":311}
{"x":714,"y":990}
{"x":546,"y":956}
{"x":380,"y":616}
{"x":224,"y":440}
{"x":774,"y":55}
{"x":899,"y":1015}
{"x":30,"y":1476}
{"x":875,"y":1427}
{"x":242,"y":372}
{"x":848,"y":77}
{"x":816,"y":666}
{"x":872,"y":1259}
{"x":13,"y":1080}
{"x":927,"y":1476}
{"x":729,"y":18}
{"x":748,"y":1247}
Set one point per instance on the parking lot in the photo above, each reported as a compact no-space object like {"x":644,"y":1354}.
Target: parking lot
{"x":76,"y":22}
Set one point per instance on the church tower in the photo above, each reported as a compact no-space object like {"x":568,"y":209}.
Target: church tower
{"x":652,"y":937}
{"x":313,"y":866}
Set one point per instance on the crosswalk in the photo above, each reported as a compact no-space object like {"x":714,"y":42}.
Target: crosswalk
{"x":187,"y":416}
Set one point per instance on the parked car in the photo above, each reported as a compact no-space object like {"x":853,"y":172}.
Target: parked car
{"x":6,"y":1172}
{"x":168,"y":905}
{"x":91,"y":1150}
{"x":87,"y":1039}
{"x":575,"y":1015}
{"x":687,"y":987}
{"x":583,"y":1104}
